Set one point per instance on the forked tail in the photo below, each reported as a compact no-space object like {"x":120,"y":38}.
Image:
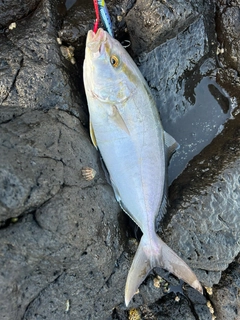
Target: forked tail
{"x":156,"y":253}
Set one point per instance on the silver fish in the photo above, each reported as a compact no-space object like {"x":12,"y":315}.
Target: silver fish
{"x":126,"y":127}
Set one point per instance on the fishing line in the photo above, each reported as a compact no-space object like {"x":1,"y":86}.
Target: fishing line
{"x":96,"y":8}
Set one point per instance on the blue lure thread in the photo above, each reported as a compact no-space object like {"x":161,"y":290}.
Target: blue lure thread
{"x":105,"y":17}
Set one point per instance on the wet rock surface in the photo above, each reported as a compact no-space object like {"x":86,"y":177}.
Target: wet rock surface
{"x":11,"y":11}
{"x":66,"y":247}
{"x":158,"y":22}
{"x":215,"y":182}
{"x":228,"y":26}
{"x":32,"y":73}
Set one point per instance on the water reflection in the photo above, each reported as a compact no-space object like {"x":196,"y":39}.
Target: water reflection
{"x":199,"y":125}
{"x":193,"y":107}
{"x":69,"y":3}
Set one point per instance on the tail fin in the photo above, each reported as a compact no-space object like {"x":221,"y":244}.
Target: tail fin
{"x":156,"y":254}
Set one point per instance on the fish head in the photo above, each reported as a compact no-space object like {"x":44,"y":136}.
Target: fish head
{"x":110,"y":75}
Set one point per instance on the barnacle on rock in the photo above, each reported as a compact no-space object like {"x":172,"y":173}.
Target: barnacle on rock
{"x":68,"y":53}
{"x":88,"y":173}
{"x":134,"y":314}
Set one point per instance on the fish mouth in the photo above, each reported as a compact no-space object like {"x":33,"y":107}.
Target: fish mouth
{"x":96,"y":41}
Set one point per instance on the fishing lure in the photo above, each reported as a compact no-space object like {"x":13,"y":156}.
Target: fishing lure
{"x":105,"y":16}
{"x":102,"y":11}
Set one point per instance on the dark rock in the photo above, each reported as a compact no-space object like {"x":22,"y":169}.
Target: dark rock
{"x":203,"y":221}
{"x":228,"y":24}
{"x":39,"y":153}
{"x":158,"y":21}
{"x":225,"y":296}
{"x":11,"y":60}
{"x":177,"y":307}
{"x":163,"y":74}
{"x":33,"y":73}
{"x":53,"y":256}
{"x":12,"y":11}
{"x":81,"y":17}
{"x":230,"y":81}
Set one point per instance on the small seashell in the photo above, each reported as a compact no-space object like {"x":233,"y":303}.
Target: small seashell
{"x":59,"y":41}
{"x":72,"y":60}
{"x":220,"y":50}
{"x":157,"y":281}
{"x":134,"y":314}
{"x":12,"y":26}
{"x":88,"y":173}
{"x":67,"y":306}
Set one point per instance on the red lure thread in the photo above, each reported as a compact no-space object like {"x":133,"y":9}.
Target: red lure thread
{"x":95,"y":27}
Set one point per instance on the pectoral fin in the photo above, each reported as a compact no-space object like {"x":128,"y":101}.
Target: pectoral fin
{"x":92,"y":135}
{"x":118,"y":119}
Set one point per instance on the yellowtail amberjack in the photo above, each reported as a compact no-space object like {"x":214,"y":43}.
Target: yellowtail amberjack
{"x":126,"y":127}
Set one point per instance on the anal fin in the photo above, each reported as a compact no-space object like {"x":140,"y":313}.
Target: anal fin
{"x":119,"y":200}
{"x":92,"y":135}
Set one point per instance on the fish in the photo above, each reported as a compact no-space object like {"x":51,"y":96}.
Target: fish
{"x":125,"y":126}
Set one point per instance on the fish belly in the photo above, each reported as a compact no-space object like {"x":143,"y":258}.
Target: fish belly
{"x":135,"y":158}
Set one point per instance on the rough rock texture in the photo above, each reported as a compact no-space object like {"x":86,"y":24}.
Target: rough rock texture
{"x":11,"y":11}
{"x":159,"y":21}
{"x":39,"y":153}
{"x":228,"y":33}
{"x":226,"y":299}
{"x":206,"y":197}
{"x":65,"y":245}
{"x":32,"y":73}
{"x":80,"y":18}
{"x":78,"y":21}
{"x":228,"y":27}
{"x":58,"y":254}
{"x":164,"y":77}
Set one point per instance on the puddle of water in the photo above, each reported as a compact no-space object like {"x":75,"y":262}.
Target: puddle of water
{"x":79,"y":4}
{"x":69,"y":3}
{"x":193,"y":107}
{"x":211,"y":108}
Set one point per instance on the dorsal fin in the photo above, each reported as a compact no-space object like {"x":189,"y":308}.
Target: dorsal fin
{"x":171,"y":145}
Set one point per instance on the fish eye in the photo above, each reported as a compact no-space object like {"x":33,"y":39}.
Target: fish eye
{"x":114,"y":61}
